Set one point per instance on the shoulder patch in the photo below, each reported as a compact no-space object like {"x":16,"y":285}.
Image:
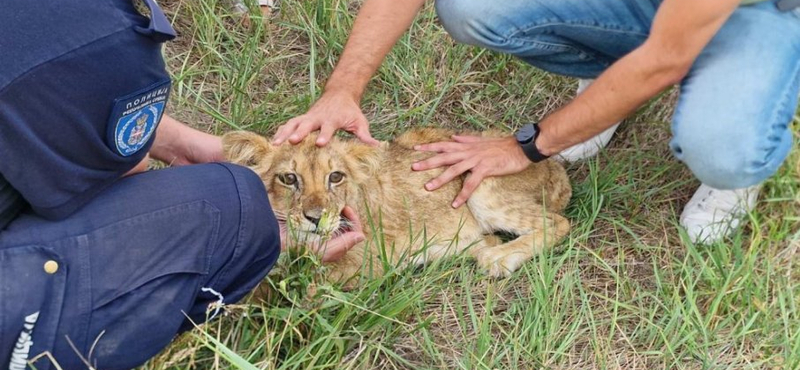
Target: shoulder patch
{"x":135,"y":117}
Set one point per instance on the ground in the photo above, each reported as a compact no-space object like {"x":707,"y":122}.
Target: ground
{"x":626,"y":290}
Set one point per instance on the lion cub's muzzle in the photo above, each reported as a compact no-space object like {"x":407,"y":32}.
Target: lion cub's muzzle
{"x":321,"y":221}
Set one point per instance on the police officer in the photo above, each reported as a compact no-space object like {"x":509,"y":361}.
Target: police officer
{"x":100,"y":263}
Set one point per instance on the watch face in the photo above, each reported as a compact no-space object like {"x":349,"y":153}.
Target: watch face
{"x":526,"y":133}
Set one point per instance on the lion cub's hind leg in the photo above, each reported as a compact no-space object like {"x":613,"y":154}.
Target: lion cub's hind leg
{"x":536,"y":229}
{"x":471,"y":242}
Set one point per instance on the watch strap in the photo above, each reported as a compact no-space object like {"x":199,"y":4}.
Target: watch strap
{"x":530,"y":149}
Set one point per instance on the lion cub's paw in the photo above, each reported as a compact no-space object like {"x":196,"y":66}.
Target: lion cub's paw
{"x":501,"y":263}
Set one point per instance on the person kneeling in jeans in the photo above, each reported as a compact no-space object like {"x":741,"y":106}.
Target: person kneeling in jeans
{"x":736,"y":62}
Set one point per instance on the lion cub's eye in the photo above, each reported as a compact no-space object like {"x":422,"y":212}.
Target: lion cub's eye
{"x":336,"y":177}
{"x":288,"y":179}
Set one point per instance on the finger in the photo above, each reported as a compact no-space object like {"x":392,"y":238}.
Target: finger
{"x":466,"y":139}
{"x":470,"y":184}
{"x":362,"y":133}
{"x":285,"y":130}
{"x":337,"y":247}
{"x":325,"y":134}
{"x":440,"y":147}
{"x":284,"y":235}
{"x":439,"y":160}
{"x":303,"y":130}
{"x":355,"y":222}
{"x":448,"y":175}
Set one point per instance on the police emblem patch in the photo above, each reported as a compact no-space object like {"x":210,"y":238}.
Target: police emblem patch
{"x":135,"y":117}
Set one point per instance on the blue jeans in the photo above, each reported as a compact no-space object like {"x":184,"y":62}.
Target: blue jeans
{"x":731,"y":123}
{"x":118,"y":278}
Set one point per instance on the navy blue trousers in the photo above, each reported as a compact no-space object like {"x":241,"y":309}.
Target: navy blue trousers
{"x":119,"y":277}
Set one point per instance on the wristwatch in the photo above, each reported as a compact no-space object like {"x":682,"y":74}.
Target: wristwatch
{"x":526,"y":138}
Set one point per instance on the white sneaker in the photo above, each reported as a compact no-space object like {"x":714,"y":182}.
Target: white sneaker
{"x":591,"y":147}
{"x":713,"y":214}
{"x":239,"y":7}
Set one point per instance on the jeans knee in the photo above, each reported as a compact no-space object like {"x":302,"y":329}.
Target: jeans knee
{"x":729,"y":165}
{"x":471,"y":22}
{"x":531,"y":30}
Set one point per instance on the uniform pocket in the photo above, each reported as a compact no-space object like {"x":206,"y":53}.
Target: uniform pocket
{"x":130,"y":253}
{"x":146,"y":273}
{"x":115,"y":294}
{"x":32,"y":285}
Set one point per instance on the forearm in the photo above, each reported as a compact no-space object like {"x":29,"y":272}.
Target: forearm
{"x":617,"y":93}
{"x":680,"y":31}
{"x":167,"y":145}
{"x":378,"y":26}
{"x":167,"y":139}
{"x":179,"y":144}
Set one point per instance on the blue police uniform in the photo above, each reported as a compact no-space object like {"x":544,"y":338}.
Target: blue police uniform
{"x":88,"y":259}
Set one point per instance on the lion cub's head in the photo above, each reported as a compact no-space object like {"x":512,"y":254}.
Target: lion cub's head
{"x":308,"y":186}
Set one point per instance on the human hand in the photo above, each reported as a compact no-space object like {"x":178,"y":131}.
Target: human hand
{"x":481,"y":156}
{"x":179,"y":145}
{"x":198,"y":147}
{"x":333,"y":111}
{"x":335,"y":248}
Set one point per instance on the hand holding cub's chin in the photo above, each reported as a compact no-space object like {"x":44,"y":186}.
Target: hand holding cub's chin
{"x":335,"y":248}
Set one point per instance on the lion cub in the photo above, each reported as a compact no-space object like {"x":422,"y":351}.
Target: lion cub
{"x":308,"y":187}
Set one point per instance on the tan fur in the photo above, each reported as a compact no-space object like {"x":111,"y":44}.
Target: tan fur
{"x":413,"y":225}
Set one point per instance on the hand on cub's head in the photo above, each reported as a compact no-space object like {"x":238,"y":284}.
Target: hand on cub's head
{"x":330,"y":113}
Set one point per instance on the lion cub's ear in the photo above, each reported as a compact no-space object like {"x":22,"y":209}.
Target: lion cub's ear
{"x":248,"y":149}
{"x":367,"y":158}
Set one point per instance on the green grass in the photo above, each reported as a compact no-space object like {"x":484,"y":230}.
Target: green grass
{"x":624,"y":291}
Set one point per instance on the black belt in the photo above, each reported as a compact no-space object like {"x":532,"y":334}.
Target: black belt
{"x":787,"y":5}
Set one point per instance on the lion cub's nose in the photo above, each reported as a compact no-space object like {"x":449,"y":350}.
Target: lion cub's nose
{"x":313,"y":215}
